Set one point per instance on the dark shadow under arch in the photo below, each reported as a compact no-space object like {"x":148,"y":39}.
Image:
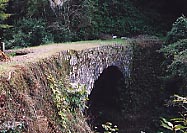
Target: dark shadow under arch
{"x":104,"y":100}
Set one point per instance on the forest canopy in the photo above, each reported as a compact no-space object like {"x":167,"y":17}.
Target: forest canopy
{"x":72,"y":20}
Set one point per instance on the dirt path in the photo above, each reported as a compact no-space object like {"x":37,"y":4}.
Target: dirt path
{"x":33,"y":54}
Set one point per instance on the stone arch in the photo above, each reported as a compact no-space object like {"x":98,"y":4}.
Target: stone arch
{"x":104,"y":100}
{"x":104,"y":90}
{"x":87,"y":65}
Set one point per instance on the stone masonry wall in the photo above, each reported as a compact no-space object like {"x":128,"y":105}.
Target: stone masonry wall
{"x":87,"y":65}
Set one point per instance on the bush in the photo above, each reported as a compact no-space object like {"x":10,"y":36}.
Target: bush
{"x":177,"y":124}
{"x":120,"y":17}
{"x":178,"y":31}
{"x":175,"y":49}
{"x":176,"y":54}
{"x":69,"y":103}
{"x":28,"y":32}
{"x":61,"y":33}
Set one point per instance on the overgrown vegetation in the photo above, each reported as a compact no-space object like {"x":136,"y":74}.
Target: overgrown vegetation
{"x":178,"y":31}
{"x":28,"y":32}
{"x":46,"y":21}
{"x":175,"y":54}
{"x":3,"y":15}
{"x":38,"y":22}
{"x":109,"y":128}
{"x":177,"y":124}
{"x":69,"y":103}
{"x":176,"y":71}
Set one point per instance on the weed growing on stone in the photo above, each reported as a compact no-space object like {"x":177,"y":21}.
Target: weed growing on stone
{"x":109,"y":127}
{"x":69,"y":103}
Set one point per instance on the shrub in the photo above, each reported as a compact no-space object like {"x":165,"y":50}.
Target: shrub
{"x":178,"y":31}
{"x":27,"y":32}
{"x":69,"y":103}
{"x":177,"y":124}
{"x":176,"y":72}
{"x":176,"y":55}
{"x":175,"y":67}
{"x":3,"y":15}
{"x":120,"y":17}
{"x":61,"y":33}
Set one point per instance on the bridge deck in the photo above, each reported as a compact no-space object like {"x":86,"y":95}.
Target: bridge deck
{"x":34,"y":54}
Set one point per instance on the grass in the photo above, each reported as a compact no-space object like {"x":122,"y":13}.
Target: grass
{"x":89,"y":44}
{"x":112,"y":41}
{"x":79,"y":45}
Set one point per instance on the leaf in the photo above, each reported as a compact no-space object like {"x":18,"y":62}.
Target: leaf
{"x":170,"y":124}
{"x":179,"y":127}
{"x":178,"y":119}
{"x":166,"y":124}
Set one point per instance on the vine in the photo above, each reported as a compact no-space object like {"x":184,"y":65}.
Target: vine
{"x":67,"y":100}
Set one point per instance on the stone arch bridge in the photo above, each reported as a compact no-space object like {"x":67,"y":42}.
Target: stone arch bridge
{"x":87,"y":65}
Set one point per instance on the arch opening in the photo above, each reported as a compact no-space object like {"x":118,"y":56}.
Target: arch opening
{"x":104,"y":101}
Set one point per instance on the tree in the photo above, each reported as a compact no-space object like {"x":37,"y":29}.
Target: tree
{"x":175,"y":51}
{"x":3,"y":16}
{"x":178,"y":31}
{"x":38,"y":8}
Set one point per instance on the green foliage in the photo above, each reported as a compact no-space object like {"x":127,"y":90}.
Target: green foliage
{"x":109,"y":128}
{"x":29,"y":8}
{"x":61,"y":33}
{"x":119,"y":17}
{"x":3,"y":15}
{"x":176,"y":54}
{"x":38,"y":8}
{"x":179,"y":123}
{"x":70,"y":22}
{"x":174,"y":127}
{"x":28,"y":32}
{"x":178,"y":31}
{"x":59,"y":100}
{"x":77,"y":20}
{"x":176,"y":68}
{"x":67,"y":100}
